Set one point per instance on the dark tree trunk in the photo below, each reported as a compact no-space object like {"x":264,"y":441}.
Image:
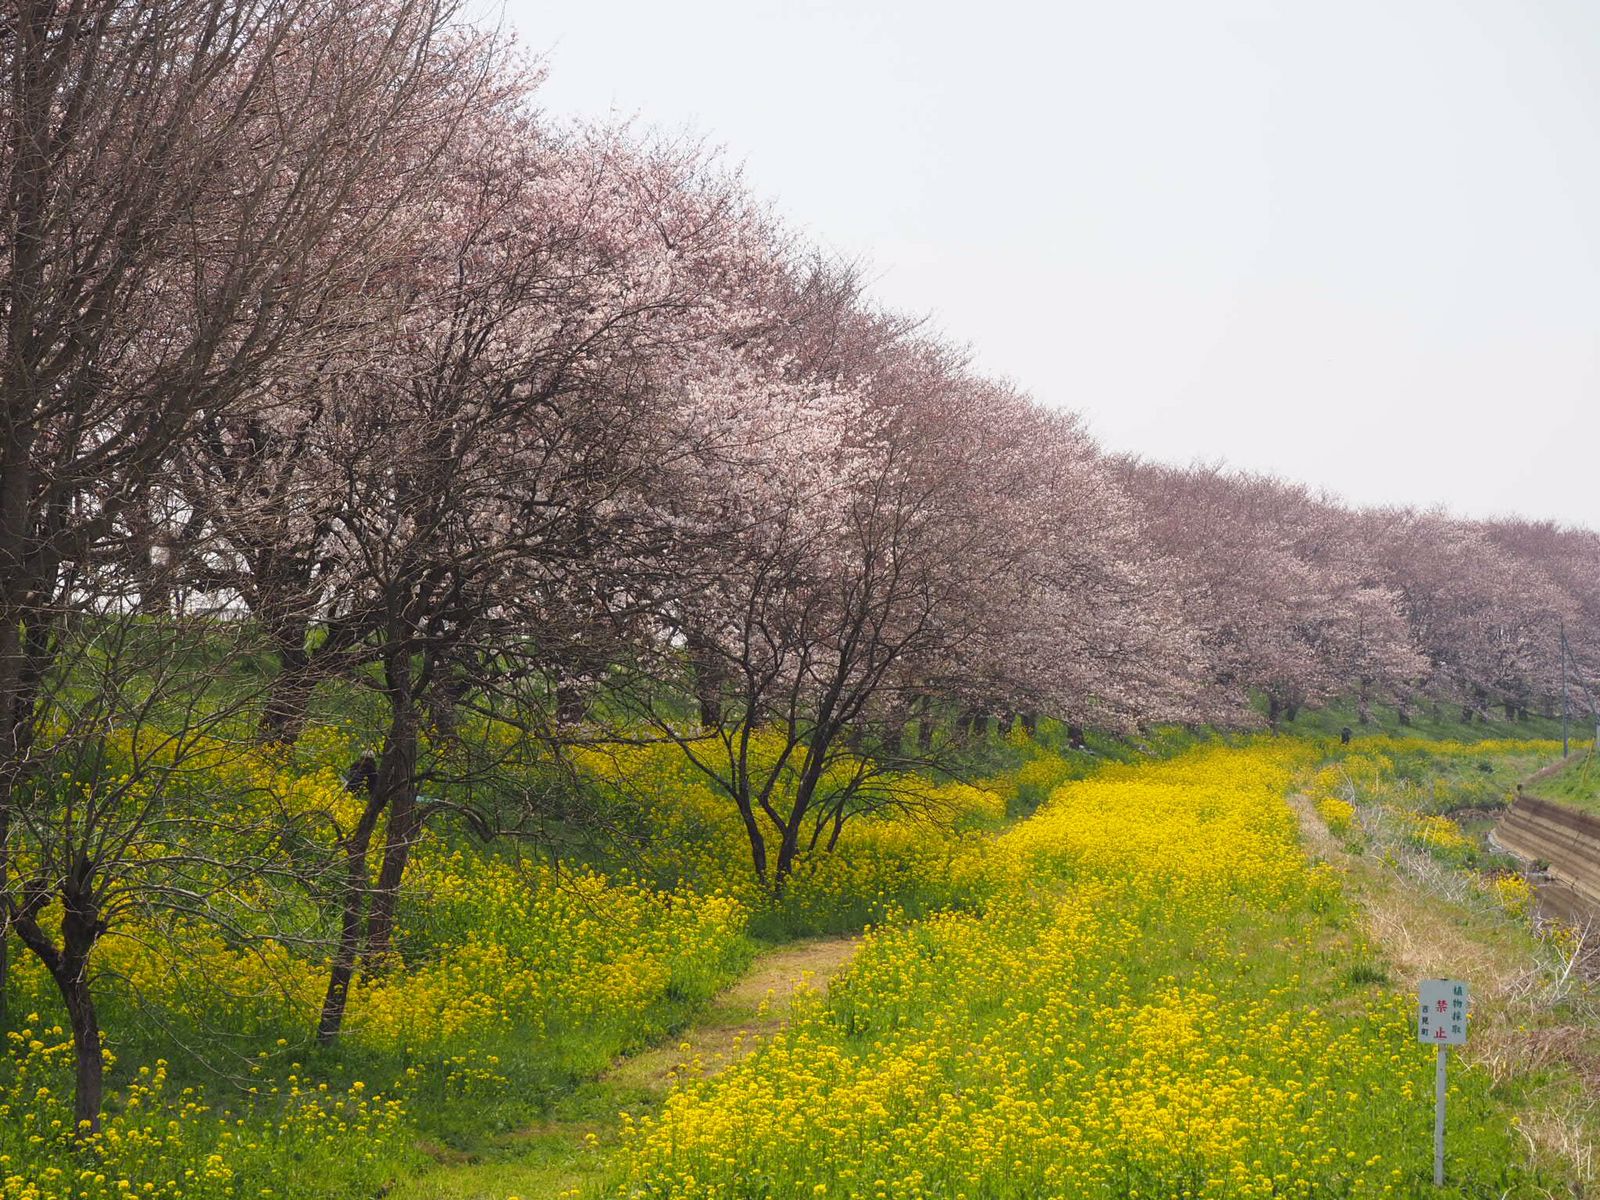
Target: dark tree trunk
{"x":288,"y":705}
{"x":1075,"y":737}
{"x":13,"y":763}
{"x":758,"y":842}
{"x":707,"y":668}
{"x":355,"y":895}
{"x":1510,"y":707}
{"x":1522,"y":712}
{"x":980,"y":725}
{"x":396,"y":788}
{"x":895,"y":731}
{"x":68,"y":966}
{"x":1291,"y":710}
{"x":1402,"y":713}
{"x":1274,"y":711}
{"x":89,"y":1064}
{"x":1004,"y":722}
{"x":5,"y":932}
{"x":572,"y":704}
{"x":1030,"y":724}
{"x":445,"y":700}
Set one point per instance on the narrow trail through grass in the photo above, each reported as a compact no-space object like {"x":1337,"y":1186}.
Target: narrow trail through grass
{"x":573,"y":1145}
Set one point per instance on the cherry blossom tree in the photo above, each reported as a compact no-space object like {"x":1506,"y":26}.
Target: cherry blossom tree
{"x":1282,"y":597}
{"x":1488,"y":624}
{"x":190,"y":189}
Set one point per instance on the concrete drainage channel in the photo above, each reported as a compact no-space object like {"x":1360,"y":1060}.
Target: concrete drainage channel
{"x":1539,"y":832}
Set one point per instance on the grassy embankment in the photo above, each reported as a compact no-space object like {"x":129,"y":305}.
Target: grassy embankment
{"x":517,"y":982}
{"x":1161,"y":996}
{"x":519,"y":986}
{"x":1405,"y":823}
{"x":1575,"y":782}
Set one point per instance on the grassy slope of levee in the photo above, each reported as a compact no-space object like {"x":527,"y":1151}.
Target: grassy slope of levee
{"x":1046,"y":1017}
{"x":552,"y":1080}
{"x":1428,"y":721}
{"x":1438,"y":907}
{"x":574,"y":1146}
{"x":1575,"y":782}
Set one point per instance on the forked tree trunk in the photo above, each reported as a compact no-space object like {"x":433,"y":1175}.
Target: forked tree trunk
{"x":788,"y":855}
{"x":838,"y":828}
{"x":68,"y":966}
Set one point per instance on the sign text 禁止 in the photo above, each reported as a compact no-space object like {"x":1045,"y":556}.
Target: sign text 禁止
{"x":1442,"y":1012}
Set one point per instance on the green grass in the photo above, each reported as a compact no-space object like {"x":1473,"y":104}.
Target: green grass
{"x":524,"y":1135}
{"x":1576,"y":783}
{"x":1432,"y":916}
{"x":1143,"y":1000}
{"x":1429,"y":721}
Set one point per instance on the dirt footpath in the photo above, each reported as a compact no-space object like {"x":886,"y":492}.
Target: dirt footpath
{"x":742,"y":1016}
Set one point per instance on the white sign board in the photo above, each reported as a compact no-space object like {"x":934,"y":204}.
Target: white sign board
{"x":1442,"y":1012}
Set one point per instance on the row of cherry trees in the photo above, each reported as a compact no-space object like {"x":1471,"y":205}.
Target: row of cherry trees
{"x":318,"y":339}
{"x":1299,"y":599}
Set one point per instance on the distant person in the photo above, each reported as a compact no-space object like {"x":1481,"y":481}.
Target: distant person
{"x":362,"y":775}
{"x":1345,"y":735}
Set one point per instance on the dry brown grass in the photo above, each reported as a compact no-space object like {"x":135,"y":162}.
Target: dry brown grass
{"x":1535,"y":1021}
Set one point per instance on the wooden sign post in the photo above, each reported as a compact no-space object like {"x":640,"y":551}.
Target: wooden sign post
{"x":1441,"y":1023}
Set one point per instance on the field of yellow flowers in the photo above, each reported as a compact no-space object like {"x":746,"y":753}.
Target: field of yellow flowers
{"x":1160,"y":997}
{"x":1144,"y":989}
{"x":514,"y":979}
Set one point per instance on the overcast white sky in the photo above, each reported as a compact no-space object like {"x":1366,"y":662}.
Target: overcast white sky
{"x":1356,"y":243}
